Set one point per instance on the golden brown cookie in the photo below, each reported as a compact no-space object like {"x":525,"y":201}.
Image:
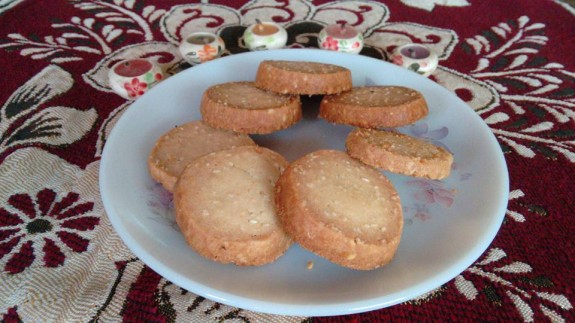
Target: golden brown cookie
{"x":244,"y":108}
{"x":374,"y":107}
{"x":399,"y":153}
{"x":224,"y":204}
{"x":340,"y":209}
{"x":300,"y":77}
{"x":184,"y":143}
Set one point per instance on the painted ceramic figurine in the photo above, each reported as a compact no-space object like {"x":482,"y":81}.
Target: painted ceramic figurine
{"x":416,"y":57}
{"x":132,"y":78}
{"x":265,"y":35}
{"x":342,"y":38}
{"x":200,"y":47}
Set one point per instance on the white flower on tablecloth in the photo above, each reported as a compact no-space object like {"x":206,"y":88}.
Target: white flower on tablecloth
{"x":78,"y":38}
{"x":66,"y":244}
{"x":43,"y":225}
{"x":182,"y":20}
{"x":513,"y":280}
{"x":8,"y":4}
{"x":510,"y":62}
{"x":518,"y":209}
{"x":362,"y":15}
{"x":133,"y":22}
{"x":33,"y":124}
{"x":430,"y":4}
{"x":478,"y":95}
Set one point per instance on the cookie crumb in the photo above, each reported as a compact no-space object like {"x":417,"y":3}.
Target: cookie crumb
{"x":310,"y":265}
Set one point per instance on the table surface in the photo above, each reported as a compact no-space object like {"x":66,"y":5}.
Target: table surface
{"x":513,"y":62}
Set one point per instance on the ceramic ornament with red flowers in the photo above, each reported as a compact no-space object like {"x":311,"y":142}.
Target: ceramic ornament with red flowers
{"x":133,"y":77}
{"x":342,"y":38}
{"x":416,"y":57}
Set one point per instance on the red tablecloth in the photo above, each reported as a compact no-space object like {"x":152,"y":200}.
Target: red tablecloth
{"x":513,"y":62}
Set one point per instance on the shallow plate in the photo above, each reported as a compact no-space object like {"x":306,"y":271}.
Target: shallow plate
{"x":448,"y":224}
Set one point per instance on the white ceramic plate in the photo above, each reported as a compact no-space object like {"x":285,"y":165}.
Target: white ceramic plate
{"x":448,"y":224}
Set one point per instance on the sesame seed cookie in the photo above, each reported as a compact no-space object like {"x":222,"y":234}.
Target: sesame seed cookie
{"x":224,"y":204}
{"x":340,"y":209}
{"x":244,"y":108}
{"x":184,"y":143}
{"x":374,"y":107}
{"x":399,"y":153}
{"x":294,"y":77}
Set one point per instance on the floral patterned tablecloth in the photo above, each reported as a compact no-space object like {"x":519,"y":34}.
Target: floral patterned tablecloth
{"x":513,"y":62}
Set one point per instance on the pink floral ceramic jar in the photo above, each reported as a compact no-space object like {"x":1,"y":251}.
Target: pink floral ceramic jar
{"x":341,"y":38}
{"x":416,"y":57}
{"x":200,"y":47}
{"x":132,"y":78}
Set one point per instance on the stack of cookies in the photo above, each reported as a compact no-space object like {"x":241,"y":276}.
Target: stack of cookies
{"x":237,"y":202}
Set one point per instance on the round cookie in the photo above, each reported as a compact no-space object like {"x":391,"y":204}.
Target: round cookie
{"x":294,"y":77}
{"x":224,"y":204}
{"x":399,"y":153}
{"x":244,"y":108}
{"x":184,"y":143}
{"x":374,"y":107}
{"x":340,"y":209}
